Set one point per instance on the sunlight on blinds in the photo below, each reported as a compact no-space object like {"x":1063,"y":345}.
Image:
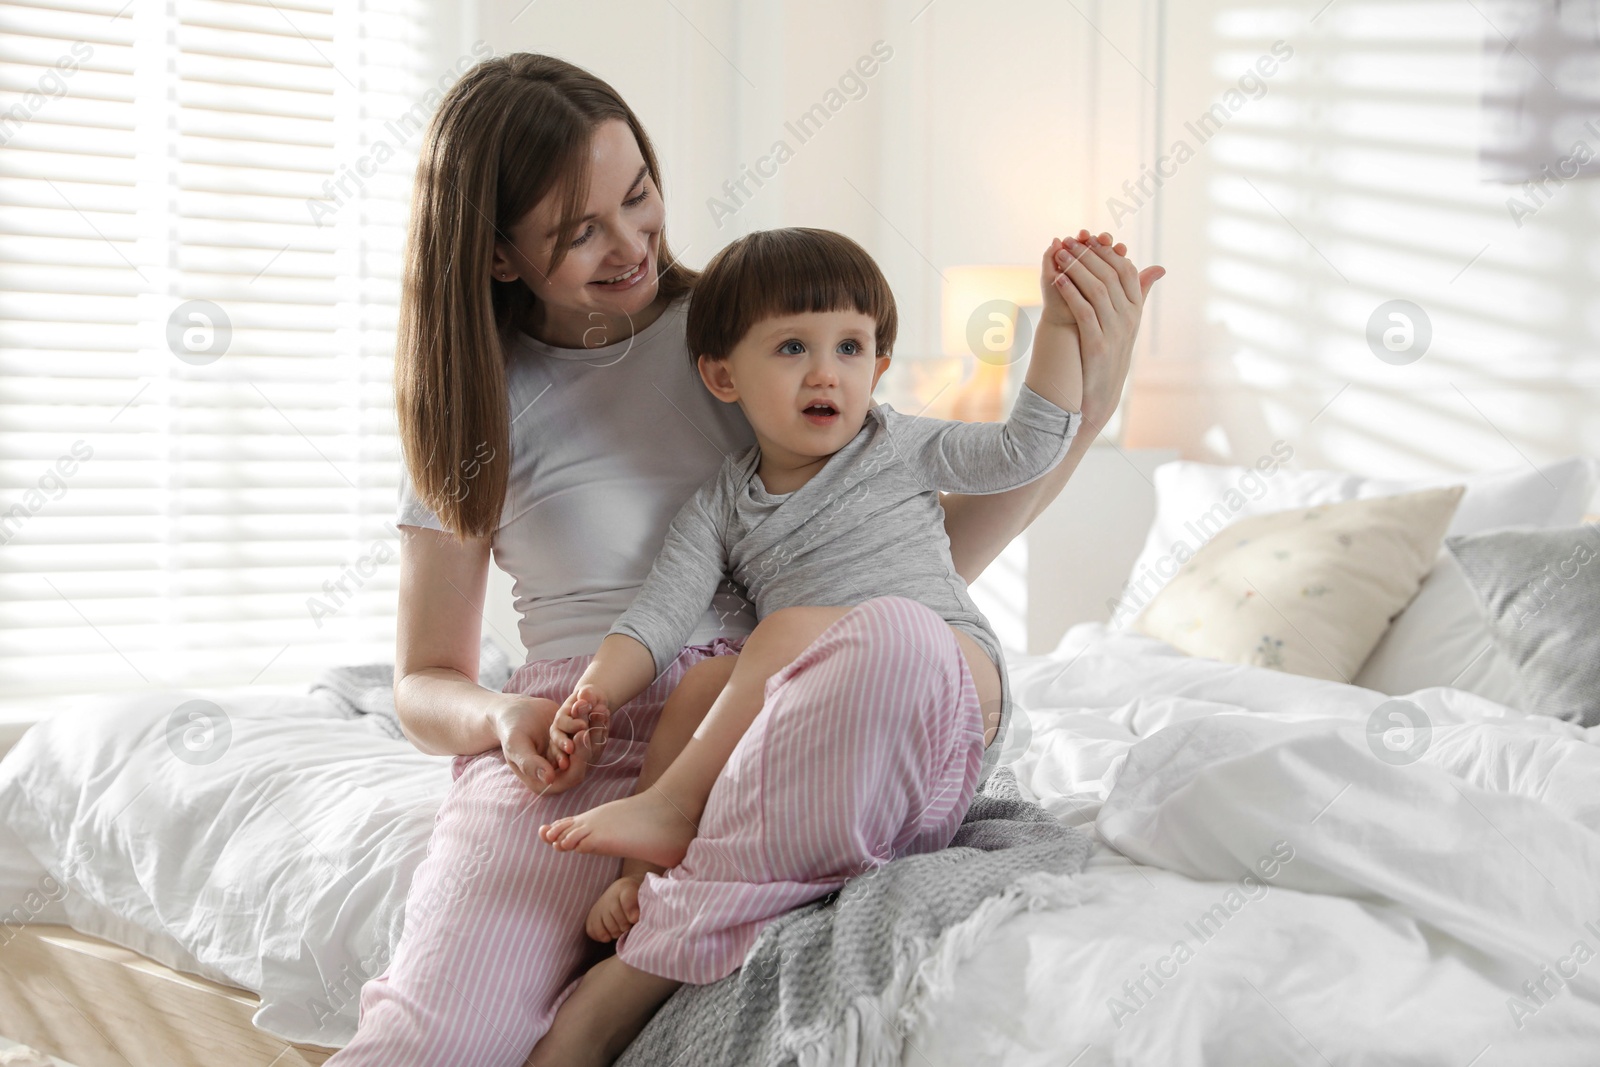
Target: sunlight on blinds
{"x":1368,"y":296}
{"x":197,"y":448}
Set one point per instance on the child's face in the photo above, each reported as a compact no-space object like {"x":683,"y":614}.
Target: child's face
{"x":784,"y":364}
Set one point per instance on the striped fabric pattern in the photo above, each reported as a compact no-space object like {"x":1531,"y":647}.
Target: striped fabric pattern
{"x":867,"y":749}
{"x":874,"y":757}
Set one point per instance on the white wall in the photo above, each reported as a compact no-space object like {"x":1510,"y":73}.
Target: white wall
{"x":975,"y":142}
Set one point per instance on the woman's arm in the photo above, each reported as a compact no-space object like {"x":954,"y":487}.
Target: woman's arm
{"x":1108,"y":305}
{"x":441,"y":707}
{"x":980,"y":527}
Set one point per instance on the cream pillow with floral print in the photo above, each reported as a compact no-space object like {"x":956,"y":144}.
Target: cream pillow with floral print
{"x":1308,"y":591}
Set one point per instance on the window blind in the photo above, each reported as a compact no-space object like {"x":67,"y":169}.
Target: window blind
{"x":198,"y":460}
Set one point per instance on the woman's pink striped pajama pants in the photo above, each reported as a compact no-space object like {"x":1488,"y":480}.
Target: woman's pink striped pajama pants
{"x":867,"y":748}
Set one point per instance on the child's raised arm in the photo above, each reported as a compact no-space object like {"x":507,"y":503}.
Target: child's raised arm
{"x":985,"y":457}
{"x":993,"y":457}
{"x":1055,"y":370}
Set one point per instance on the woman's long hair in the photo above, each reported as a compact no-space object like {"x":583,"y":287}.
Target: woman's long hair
{"x":514,"y":129}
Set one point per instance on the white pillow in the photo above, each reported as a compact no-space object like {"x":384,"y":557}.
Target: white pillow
{"x":1308,"y":591}
{"x":1442,"y":638}
{"x":1195,"y":500}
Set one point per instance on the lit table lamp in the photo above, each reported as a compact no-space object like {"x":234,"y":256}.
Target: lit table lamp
{"x":985,"y":311}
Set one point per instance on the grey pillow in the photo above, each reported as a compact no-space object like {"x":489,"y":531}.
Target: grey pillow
{"x":1541,"y":590}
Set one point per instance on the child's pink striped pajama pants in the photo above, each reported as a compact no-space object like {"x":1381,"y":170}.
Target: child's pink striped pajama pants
{"x":867,"y":748}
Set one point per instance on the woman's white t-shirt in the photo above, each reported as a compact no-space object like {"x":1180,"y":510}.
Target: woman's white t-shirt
{"x":606,"y":445}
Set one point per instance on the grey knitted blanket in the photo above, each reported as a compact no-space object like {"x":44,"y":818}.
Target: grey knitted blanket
{"x":847,"y":980}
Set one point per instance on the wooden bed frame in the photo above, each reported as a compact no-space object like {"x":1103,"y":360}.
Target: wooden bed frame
{"x":95,"y":1004}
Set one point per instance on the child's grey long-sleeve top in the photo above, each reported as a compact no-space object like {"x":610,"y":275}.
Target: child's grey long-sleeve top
{"x":868,"y":524}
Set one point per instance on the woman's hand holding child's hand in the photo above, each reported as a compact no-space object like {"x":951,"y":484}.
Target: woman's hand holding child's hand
{"x":523,"y":726}
{"x":1057,"y":285}
{"x":578,"y":732}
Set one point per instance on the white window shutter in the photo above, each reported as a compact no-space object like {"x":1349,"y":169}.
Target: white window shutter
{"x":170,"y":516}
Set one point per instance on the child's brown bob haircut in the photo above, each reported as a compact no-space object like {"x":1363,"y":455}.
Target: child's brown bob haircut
{"x":790,"y":271}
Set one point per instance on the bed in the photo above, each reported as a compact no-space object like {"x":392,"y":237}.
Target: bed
{"x":1332,"y":907}
{"x":332,"y":817}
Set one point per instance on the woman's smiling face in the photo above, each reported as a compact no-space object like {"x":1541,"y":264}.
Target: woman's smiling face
{"x":610,"y":273}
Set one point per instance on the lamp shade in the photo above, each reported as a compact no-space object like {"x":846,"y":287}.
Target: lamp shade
{"x":967,"y":291}
{"x":981,"y":317}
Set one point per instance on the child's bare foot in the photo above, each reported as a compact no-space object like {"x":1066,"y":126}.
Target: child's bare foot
{"x":646,"y":827}
{"x":616,"y":911}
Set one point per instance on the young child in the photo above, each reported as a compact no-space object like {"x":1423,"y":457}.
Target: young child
{"x":837,"y":503}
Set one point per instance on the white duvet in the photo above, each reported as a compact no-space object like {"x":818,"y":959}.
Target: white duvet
{"x":1274,"y":883}
{"x":1440,"y":911}
{"x":280,"y":867}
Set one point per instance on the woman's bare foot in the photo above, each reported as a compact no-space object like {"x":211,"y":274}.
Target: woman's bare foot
{"x":647,"y":827}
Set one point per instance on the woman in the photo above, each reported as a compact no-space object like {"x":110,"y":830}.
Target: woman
{"x":550,"y":415}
